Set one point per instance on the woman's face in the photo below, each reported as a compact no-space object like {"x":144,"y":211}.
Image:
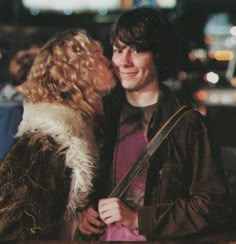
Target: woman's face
{"x":104,"y":79}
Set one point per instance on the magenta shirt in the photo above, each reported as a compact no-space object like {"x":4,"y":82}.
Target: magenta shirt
{"x":132,"y":140}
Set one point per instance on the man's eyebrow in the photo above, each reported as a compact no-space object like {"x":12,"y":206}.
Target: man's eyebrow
{"x":119,"y":46}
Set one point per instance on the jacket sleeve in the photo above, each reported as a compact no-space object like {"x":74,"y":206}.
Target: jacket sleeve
{"x":30,"y":176}
{"x":205,"y":204}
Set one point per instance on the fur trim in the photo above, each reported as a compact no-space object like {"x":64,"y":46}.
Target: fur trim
{"x":75,"y":136}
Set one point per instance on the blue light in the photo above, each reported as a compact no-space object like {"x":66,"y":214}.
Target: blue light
{"x":68,"y":11}
{"x":34,"y":11}
{"x":103,"y":12}
{"x":138,"y":3}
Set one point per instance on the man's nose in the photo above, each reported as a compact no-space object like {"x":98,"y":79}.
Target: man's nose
{"x":125,"y":59}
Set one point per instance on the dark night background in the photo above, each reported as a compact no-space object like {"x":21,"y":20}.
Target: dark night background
{"x":19,"y":28}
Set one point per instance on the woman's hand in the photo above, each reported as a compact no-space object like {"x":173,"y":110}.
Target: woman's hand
{"x":113,"y":210}
{"x":88,"y":222}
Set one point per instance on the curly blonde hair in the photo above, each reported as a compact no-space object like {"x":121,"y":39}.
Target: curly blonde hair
{"x":71,"y":70}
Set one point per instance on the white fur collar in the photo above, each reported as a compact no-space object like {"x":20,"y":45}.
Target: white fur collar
{"x":68,"y":128}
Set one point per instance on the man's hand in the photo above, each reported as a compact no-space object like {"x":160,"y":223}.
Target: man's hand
{"x":88,"y":222}
{"x":113,"y":210}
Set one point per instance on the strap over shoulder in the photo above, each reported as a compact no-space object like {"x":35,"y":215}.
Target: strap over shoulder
{"x":152,"y":146}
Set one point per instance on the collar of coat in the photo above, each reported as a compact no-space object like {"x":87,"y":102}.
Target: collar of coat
{"x":77,"y":141}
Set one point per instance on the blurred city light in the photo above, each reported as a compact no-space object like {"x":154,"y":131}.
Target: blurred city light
{"x":233,"y":30}
{"x":166,"y":3}
{"x":75,"y":5}
{"x":201,"y":95}
{"x":213,"y":97}
{"x":198,"y":54}
{"x":223,"y":55}
{"x":34,"y":11}
{"x":211,"y":77}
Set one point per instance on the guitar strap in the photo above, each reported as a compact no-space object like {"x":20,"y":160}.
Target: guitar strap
{"x":152,"y":146}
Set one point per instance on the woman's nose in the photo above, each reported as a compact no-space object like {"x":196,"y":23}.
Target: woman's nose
{"x":105,"y":60}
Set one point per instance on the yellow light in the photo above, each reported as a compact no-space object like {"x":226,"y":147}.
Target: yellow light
{"x":223,"y":55}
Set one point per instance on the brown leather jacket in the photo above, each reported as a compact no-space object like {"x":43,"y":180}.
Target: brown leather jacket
{"x":47,"y":175}
{"x":186,"y":191}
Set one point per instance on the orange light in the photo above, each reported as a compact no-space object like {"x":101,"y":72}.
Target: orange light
{"x":191,"y":56}
{"x":203,"y":110}
{"x":233,"y":82}
{"x":126,"y":4}
{"x":234,"y":97}
{"x":201,"y":95}
{"x":208,"y":40}
{"x":211,"y":54}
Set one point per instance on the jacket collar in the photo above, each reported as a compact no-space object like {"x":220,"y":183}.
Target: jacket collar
{"x":76,"y":139}
{"x":52,"y":119}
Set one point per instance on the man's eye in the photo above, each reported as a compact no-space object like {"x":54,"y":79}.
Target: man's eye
{"x":136,"y":50}
{"x":116,"y":51}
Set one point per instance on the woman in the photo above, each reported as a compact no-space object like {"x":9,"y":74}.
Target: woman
{"x":48,"y":173}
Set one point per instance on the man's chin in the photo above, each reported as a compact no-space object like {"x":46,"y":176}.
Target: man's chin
{"x":126,"y":84}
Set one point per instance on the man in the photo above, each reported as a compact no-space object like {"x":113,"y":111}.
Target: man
{"x":181,"y":191}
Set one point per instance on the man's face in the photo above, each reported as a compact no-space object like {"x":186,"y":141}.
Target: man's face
{"x":135,"y":70}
